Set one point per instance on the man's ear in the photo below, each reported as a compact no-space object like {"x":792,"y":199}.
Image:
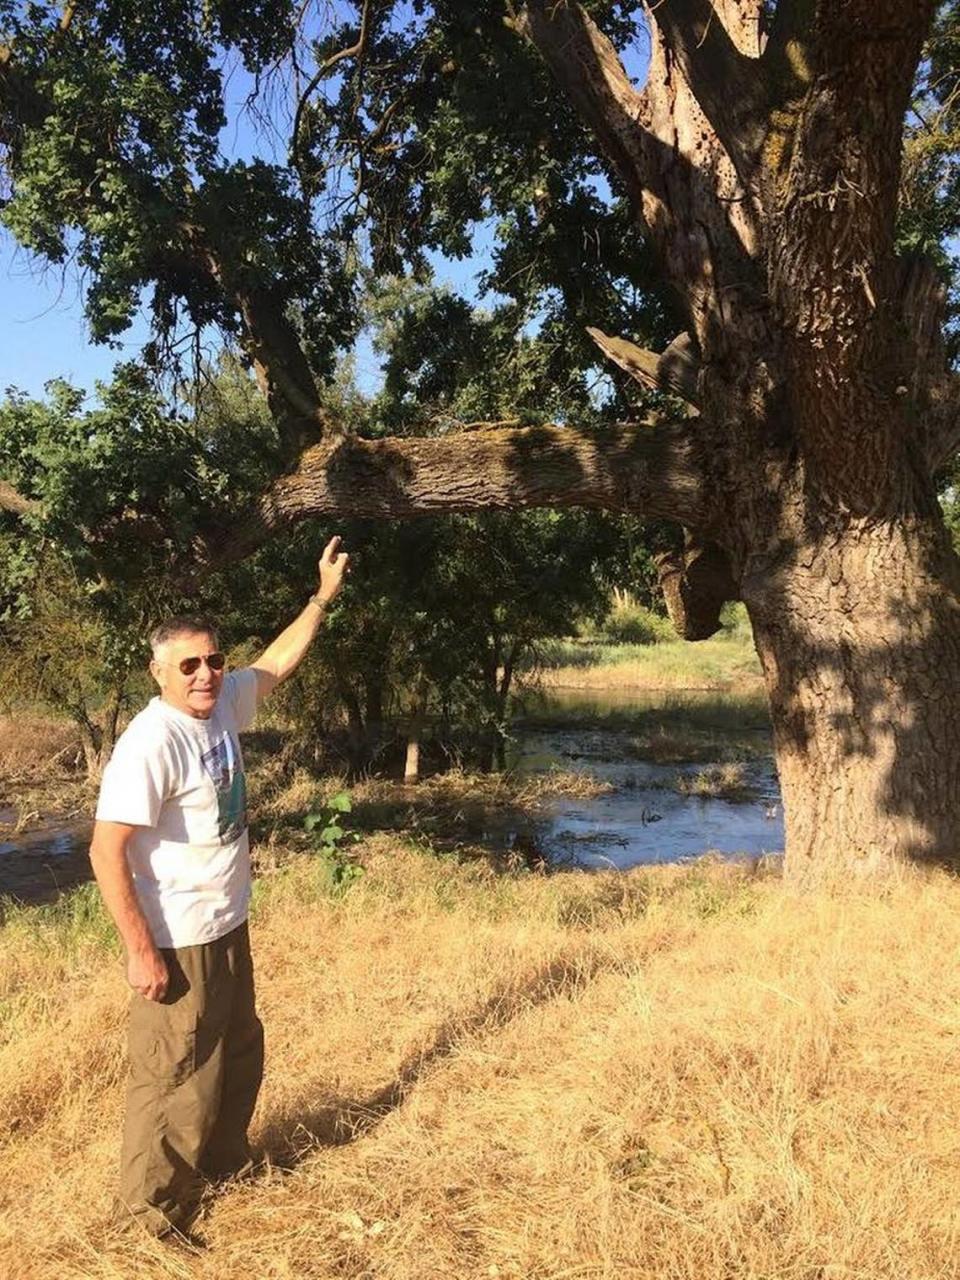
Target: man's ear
{"x":155,"y":670}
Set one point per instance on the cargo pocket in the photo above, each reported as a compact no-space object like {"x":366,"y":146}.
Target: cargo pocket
{"x":163,"y":1039}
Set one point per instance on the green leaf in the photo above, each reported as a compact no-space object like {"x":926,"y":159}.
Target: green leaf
{"x":340,"y":803}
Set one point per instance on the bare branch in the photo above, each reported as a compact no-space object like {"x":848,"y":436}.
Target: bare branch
{"x":730,"y":87}
{"x":63,"y":26}
{"x":11,"y":500}
{"x":356,"y":50}
{"x":587,"y":66}
{"x":66,"y":18}
{"x":676,"y":371}
{"x":655,"y":470}
{"x":677,"y":175}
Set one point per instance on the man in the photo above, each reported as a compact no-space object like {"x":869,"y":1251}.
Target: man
{"x":171,"y":855}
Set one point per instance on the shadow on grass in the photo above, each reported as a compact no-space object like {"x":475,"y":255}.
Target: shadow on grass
{"x":306,"y":1127}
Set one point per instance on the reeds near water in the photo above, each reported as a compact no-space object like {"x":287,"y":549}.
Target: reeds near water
{"x":678,"y":1073}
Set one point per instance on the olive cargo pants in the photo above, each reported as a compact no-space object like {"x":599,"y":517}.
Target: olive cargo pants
{"x":196,"y":1061}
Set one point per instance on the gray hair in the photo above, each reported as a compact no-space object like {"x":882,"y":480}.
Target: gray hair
{"x":184,"y":624}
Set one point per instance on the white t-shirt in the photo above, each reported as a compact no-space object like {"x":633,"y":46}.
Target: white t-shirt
{"x":180,"y":781}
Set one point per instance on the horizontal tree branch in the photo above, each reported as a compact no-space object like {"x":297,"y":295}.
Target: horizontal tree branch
{"x":650,"y":470}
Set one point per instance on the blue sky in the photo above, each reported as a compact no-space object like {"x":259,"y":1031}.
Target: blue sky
{"x":43,"y":332}
{"x":42,"y":329}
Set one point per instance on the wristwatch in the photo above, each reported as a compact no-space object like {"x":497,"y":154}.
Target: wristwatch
{"x":320,"y":603}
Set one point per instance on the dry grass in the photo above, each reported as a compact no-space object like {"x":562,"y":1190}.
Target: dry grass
{"x":32,"y":745}
{"x":723,"y":662}
{"x":457,"y":788}
{"x":453,"y":810}
{"x":671,"y":1074}
{"x":726,"y":781}
{"x":41,"y":771}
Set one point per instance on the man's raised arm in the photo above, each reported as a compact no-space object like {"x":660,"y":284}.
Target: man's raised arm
{"x":283,"y":655}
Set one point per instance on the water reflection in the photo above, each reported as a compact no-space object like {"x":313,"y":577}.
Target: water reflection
{"x":39,"y":866}
{"x":652,"y":748}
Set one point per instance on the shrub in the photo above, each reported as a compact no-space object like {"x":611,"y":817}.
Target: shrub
{"x":631,"y":623}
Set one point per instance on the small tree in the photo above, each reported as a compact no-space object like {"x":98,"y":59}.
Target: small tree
{"x":113,"y":491}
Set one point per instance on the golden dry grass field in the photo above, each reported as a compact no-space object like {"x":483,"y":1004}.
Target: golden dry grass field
{"x":726,"y":661}
{"x":678,"y":1073}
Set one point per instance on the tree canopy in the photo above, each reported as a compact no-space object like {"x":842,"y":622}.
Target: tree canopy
{"x":744,"y":211}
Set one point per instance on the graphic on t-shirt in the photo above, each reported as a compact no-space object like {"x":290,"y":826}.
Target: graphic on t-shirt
{"x":222,"y":762}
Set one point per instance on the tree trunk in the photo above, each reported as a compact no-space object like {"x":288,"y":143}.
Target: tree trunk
{"x":491,"y":735}
{"x":411,"y":764}
{"x":90,"y":740}
{"x":411,"y":768}
{"x":373,"y":715}
{"x":356,"y":732}
{"x":859,"y":637}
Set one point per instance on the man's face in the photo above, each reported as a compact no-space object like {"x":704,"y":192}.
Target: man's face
{"x":195,"y":694}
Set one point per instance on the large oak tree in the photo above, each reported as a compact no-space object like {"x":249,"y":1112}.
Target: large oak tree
{"x":761,"y":164}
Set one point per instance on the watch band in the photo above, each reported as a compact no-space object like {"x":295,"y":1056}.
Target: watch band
{"x":318,"y":603}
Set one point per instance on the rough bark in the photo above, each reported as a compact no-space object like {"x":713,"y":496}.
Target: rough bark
{"x":696,"y":583}
{"x":821,"y":383}
{"x":675,"y":371}
{"x":860,"y":644}
{"x":656,"y":469}
{"x":411,"y":767}
{"x":98,"y":733}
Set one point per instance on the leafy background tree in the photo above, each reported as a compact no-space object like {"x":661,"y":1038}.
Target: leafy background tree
{"x":442,"y":613}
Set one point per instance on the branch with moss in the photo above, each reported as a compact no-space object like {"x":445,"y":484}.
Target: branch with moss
{"x":656,"y":471}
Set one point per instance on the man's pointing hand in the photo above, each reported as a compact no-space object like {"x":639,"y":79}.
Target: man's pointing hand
{"x":333,"y":565}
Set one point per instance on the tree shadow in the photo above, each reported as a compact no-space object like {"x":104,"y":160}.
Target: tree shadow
{"x":305,"y":1126}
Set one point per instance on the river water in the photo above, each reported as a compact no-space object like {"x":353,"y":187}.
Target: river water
{"x":39,"y":865}
{"x":650,"y":748}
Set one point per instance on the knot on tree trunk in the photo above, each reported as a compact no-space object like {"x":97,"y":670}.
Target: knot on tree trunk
{"x":696,"y":582}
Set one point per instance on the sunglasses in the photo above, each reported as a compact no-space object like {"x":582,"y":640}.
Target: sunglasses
{"x":189,"y":666}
